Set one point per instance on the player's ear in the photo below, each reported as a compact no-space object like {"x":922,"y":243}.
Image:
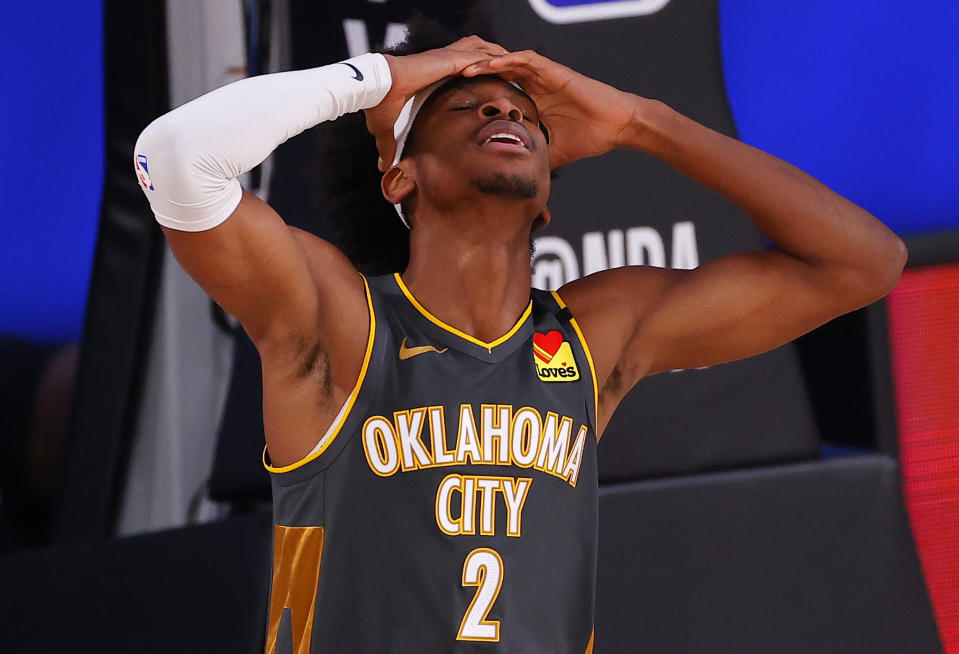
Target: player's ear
{"x":542,"y":220}
{"x":397,"y":183}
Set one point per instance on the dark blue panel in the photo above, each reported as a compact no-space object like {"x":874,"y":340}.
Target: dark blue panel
{"x":863,"y":95}
{"x":51,"y":169}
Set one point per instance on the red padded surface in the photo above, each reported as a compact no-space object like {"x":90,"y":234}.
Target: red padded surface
{"x":924,"y":333}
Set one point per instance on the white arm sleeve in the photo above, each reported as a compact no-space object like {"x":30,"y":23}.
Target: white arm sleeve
{"x":187,"y":160}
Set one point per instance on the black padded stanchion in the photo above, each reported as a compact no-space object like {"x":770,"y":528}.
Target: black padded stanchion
{"x":198,"y":589}
{"x":811,"y":557}
{"x":123,"y":283}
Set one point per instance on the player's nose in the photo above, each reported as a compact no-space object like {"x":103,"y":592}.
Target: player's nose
{"x":501,"y":107}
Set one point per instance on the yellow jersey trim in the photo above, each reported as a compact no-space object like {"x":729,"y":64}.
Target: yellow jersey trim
{"x":453,"y":330}
{"x":589,"y":358}
{"x":350,"y":401}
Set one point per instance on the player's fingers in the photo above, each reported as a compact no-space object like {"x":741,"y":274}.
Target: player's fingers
{"x":474,"y":42}
{"x":520,"y":57}
{"x":495,"y":49}
{"x":490,"y":49}
{"x":520,"y":73}
{"x":510,"y":61}
{"x":386,"y":148}
{"x":477,"y":68}
{"x":454,"y":61}
{"x":485,"y":67}
{"x":469,"y":57}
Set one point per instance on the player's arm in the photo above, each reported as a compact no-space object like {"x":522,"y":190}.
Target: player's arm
{"x":245,"y":256}
{"x":299,"y":298}
{"x":830,"y":256}
{"x":233,"y":244}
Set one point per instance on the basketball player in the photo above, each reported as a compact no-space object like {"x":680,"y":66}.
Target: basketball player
{"x":431,"y":434}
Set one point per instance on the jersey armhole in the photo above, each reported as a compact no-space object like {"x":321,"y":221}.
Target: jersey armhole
{"x":324,"y":443}
{"x":589,"y":358}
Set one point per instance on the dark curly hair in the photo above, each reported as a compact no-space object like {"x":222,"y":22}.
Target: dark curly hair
{"x":369,"y":231}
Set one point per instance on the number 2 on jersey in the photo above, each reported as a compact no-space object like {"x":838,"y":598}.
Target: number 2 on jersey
{"x":482,"y":568}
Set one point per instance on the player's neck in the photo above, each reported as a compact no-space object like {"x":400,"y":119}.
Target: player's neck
{"x":472,"y":273}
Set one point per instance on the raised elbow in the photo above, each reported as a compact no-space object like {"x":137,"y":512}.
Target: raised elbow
{"x":897,"y":255}
{"x":871,"y":278}
{"x":879,"y":278}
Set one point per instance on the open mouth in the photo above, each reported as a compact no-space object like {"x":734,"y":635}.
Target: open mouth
{"x":504,"y":135}
{"x":505,"y":141}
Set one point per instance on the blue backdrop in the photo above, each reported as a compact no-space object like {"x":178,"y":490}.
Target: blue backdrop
{"x":863,"y":95}
{"x":51,"y":169}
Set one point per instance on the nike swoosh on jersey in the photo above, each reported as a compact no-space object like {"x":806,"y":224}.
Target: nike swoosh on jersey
{"x":359,"y":76}
{"x":407,"y":352}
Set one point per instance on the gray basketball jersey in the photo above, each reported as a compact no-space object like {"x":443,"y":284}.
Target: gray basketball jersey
{"x":453,"y":506}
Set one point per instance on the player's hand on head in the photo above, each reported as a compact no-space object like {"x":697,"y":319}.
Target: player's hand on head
{"x":412,"y":73}
{"x":585,"y":117}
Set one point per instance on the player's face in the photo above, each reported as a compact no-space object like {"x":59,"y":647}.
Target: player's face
{"x":483,"y":133}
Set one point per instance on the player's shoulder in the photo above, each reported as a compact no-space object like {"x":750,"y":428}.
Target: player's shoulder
{"x":320,"y":252}
{"x":617,"y":291}
{"x":332,"y":273}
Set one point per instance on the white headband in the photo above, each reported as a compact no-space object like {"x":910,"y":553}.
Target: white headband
{"x":404,"y":123}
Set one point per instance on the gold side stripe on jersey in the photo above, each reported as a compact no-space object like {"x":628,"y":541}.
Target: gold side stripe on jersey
{"x":453,"y":330}
{"x":350,"y":402}
{"x":297,"y":555}
{"x":589,"y":646}
{"x":589,"y":359}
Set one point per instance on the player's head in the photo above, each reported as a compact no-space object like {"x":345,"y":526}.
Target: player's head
{"x":368,"y":229}
{"x":464,"y":136}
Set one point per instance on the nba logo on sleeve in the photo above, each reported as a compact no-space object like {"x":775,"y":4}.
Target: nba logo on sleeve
{"x":143,"y":172}
{"x":581,"y":11}
{"x":553,"y":358}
